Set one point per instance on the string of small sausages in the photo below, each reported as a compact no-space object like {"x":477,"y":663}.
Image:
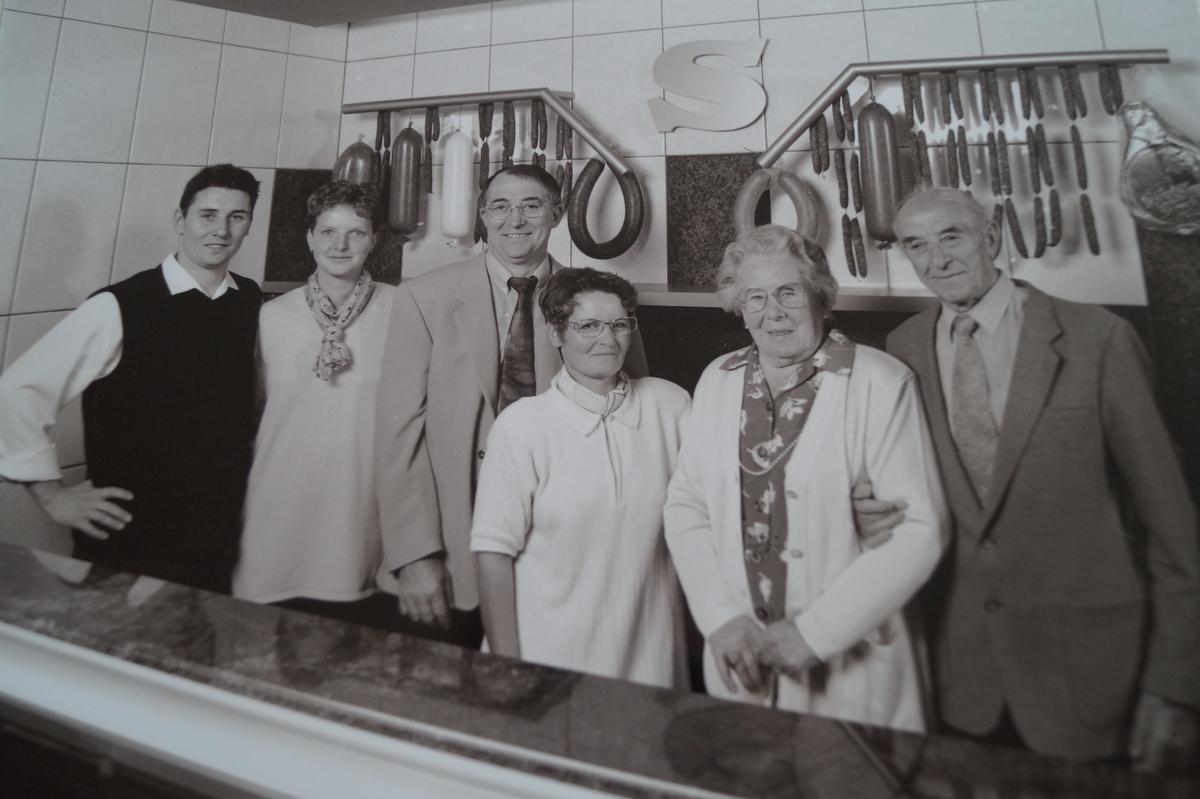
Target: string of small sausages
{"x":850,"y":191}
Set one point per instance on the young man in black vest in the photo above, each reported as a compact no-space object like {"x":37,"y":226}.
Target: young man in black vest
{"x":165,"y":363}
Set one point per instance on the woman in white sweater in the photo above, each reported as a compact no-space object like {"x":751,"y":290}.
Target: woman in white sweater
{"x":311,"y":538}
{"x":573,"y":570}
{"x":759,"y":520}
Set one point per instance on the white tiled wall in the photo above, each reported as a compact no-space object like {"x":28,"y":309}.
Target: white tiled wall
{"x":108,"y":108}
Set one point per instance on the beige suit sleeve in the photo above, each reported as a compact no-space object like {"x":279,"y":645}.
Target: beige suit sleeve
{"x":408,"y":508}
{"x":1138,"y":441}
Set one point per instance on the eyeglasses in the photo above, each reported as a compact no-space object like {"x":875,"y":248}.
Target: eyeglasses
{"x":789,"y":295}
{"x":530,"y":209}
{"x":592,"y":328}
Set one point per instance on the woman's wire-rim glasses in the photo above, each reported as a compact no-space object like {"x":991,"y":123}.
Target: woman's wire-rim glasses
{"x":591,"y":328}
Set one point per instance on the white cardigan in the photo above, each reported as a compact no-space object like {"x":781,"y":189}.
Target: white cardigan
{"x":846,"y":602}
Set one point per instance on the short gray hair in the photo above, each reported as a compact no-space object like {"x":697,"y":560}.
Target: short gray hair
{"x":962,"y":199}
{"x":819,"y":284}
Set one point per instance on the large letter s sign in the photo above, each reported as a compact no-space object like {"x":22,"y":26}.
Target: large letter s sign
{"x":739,"y":98}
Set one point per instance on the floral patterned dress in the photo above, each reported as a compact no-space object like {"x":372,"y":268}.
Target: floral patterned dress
{"x":770,"y":428}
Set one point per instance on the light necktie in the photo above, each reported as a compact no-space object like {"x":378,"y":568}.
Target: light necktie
{"x":517,"y":377}
{"x":971,"y":421}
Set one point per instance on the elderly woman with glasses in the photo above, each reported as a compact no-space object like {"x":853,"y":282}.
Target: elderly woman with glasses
{"x":796,"y":612}
{"x":573,"y":569}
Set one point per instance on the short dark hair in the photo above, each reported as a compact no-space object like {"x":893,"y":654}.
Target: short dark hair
{"x":529,"y":172}
{"x":221,"y":176}
{"x":558,"y":297}
{"x":362,"y":199}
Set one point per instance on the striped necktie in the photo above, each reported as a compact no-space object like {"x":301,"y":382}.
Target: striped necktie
{"x":971,"y":421}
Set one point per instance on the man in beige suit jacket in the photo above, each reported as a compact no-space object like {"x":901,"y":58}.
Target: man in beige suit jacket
{"x":438,"y":398}
{"x":1058,"y":625}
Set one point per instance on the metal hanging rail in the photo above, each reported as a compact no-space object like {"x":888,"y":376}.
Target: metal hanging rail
{"x":877,"y":68}
{"x":557,"y":101}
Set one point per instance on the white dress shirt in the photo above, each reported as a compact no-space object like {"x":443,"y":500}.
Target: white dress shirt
{"x":999,"y":313}
{"x":81,"y":349}
{"x":504,"y":299}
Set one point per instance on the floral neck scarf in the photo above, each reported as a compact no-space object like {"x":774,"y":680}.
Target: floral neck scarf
{"x":770,"y":428}
{"x":334,"y":356}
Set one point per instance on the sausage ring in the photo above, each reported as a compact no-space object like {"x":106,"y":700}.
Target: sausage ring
{"x":577,"y":203}
{"x":808,"y":217}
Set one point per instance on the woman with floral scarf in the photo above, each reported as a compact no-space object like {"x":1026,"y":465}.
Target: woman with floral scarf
{"x":796,"y":612}
{"x":311,"y":538}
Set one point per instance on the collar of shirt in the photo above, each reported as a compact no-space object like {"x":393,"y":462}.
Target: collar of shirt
{"x":988,"y":312}
{"x":499,"y":273}
{"x":178,"y":280}
{"x":582,"y":419}
{"x":836,"y":354}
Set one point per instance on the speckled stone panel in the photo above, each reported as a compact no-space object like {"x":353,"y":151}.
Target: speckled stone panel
{"x":1172,"y":265}
{"x":701,"y":190}
{"x":288,"y":258}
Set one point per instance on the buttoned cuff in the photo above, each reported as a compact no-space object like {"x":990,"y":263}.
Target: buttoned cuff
{"x":815,"y":635}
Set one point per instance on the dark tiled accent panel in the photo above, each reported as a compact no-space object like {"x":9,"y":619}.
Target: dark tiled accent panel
{"x":701,"y":190}
{"x":1172,"y":265}
{"x":288,"y":258}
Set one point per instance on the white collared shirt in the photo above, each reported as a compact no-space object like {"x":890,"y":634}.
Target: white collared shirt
{"x":999,"y":313}
{"x":81,"y":349}
{"x":504,"y":299}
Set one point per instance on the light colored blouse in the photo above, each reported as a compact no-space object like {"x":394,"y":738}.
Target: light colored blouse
{"x":576,"y":498}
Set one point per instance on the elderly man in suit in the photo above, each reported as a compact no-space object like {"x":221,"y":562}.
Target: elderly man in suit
{"x":464,"y":341}
{"x":1059,"y":625}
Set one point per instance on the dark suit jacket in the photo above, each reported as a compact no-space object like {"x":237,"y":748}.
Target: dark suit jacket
{"x":437,"y":401}
{"x":1052,"y":606}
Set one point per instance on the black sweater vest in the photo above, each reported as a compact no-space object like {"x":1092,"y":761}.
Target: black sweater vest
{"x":174,"y":424}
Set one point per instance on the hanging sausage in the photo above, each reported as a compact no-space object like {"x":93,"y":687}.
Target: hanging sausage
{"x":404,"y":203}
{"x":808,"y":215}
{"x":357,"y":164}
{"x":880,"y":171}
{"x":458,"y":186}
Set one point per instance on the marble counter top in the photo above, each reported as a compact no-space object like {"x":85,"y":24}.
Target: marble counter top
{"x":610,"y":735}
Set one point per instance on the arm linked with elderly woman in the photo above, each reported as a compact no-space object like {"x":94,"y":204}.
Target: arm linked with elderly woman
{"x":795,"y":610}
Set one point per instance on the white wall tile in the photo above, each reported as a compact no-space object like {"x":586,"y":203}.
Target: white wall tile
{"x":72,"y":223}
{"x":1151,"y":23}
{"x":450,"y":72}
{"x":613,"y":80}
{"x":874,"y":4}
{"x":3,"y":344}
{"x":905,"y":33}
{"x":23,"y":332}
{"x":1039,"y":26}
{"x":126,"y":13}
{"x":187,"y":19}
{"x":146,"y":231}
{"x":178,"y":94}
{"x":1114,"y":277}
{"x":530,"y":20}
{"x":52,"y":7}
{"x":646,"y":260}
{"x":352,"y":125}
{"x":311,"y":113}
{"x":704,"y":12}
{"x":248,"y":30}
{"x":449,"y":28}
{"x":249,"y":102}
{"x":378,"y":79}
{"x":251,"y":259}
{"x":529,"y":65}
{"x":27,"y":47}
{"x":803,"y":56}
{"x":94,"y":93}
{"x":328,"y":41}
{"x":608,"y":16}
{"x":17,"y":179}
{"x":689,"y":141}
{"x":381,"y":38}
{"x":794,"y":8}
